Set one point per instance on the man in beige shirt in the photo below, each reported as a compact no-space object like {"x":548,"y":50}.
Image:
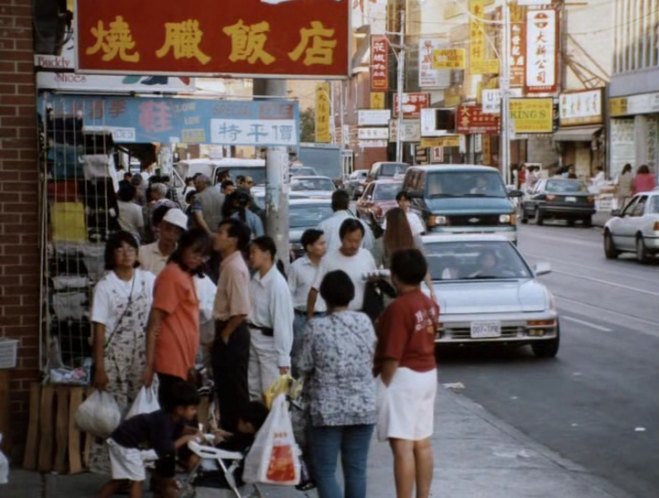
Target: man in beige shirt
{"x":230,"y":351}
{"x":153,"y":257}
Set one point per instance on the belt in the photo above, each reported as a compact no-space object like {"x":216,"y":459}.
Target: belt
{"x":266,"y":331}
{"x":304,"y":313}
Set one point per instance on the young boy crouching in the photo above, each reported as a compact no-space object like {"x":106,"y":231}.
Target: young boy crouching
{"x":150,"y":436}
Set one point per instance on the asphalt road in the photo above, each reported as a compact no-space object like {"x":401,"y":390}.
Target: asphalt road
{"x":597,"y":403}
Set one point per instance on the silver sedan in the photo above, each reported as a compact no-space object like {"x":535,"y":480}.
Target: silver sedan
{"x":488,"y":294}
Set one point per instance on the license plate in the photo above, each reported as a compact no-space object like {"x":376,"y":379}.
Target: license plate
{"x":480,"y":330}
{"x":571,"y":199}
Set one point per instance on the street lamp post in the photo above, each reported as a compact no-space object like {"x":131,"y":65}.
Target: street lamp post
{"x":399,"y":86}
{"x":504,"y":85}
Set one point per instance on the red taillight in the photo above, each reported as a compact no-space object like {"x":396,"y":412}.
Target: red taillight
{"x":550,"y":197}
{"x":656,"y":226}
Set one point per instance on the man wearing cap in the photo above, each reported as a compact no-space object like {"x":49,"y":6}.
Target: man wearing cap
{"x":207,"y":209}
{"x":153,"y":257}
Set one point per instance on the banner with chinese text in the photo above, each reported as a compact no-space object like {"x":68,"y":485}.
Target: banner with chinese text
{"x":379,"y":64}
{"x":170,"y":120}
{"x":478,"y":61}
{"x":517,"y":44}
{"x":471,"y":119}
{"x":322,"y":113}
{"x":541,"y":51}
{"x":303,"y":38}
{"x":580,"y":108}
{"x":429,"y":76}
{"x":412,"y":104}
{"x":448,"y":58}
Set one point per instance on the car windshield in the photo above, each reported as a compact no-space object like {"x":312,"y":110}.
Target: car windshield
{"x":465,"y":184}
{"x":303,"y":171}
{"x":565,"y":186}
{"x":257,"y":174}
{"x":475,"y":260}
{"x":385,"y":191}
{"x":308,"y":215}
{"x":392,"y":169}
{"x":654,"y":204}
{"x":302,"y":184}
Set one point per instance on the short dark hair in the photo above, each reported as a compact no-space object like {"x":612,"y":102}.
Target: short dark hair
{"x":238,"y":230}
{"x":310,"y":236}
{"x":266,"y":244}
{"x":114,"y":243}
{"x":181,"y":394}
{"x":158,"y":214}
{"x":240,"y":178}
{"x":403,"y":194}
{"x":196,"y":239}
{"x":126,"y":192}
{"x":190,"y":195}
{"x":350,"y":225}
{"x":337,"y":289}
{"x":340,"y":200}
{"x":226,"y":183}
{"x":254,"y":413}
{"x":409,"y":266}
{"x":643,"y":169}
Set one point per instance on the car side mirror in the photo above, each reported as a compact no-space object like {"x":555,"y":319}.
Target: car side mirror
{"x":616,"y":212}
{"x":542,"y":268}
{"x":515,"y":193}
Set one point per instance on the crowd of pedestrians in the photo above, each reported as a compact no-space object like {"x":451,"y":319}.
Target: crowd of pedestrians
{"x":214,"y":267}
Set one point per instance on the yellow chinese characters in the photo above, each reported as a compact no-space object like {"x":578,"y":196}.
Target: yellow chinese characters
{"x":248,"y":42}
{"x":183,"y":38}
{"x":321,"y":50}
{"x":114,"y":42}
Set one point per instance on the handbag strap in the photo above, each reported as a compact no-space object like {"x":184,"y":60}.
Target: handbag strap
{"x":123,"y":314}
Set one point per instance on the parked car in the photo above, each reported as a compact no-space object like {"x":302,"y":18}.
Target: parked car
{"x":635,"y":228}
{"x":378,"y":198}
{"x":559,"y":199}
{"x":387,"y":169}
{"x":489,"y":294}
{"x":462,"y":199}
{"x":356,"y":183}
{"x":315,"y":187}
{"x":302,"y":215}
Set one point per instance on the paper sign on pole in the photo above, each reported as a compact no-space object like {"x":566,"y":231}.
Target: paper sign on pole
{"x":323,"y":134}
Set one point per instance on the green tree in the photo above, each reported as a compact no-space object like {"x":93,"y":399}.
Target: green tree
{"x":308,"y":125}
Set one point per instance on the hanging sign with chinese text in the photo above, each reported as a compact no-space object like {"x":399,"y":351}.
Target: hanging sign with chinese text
{"x":322,"y":114}
{"x":580,"y":108}
{"x":478,"y":61}
{"x":379,"y":64}
{"x":131,"y":119}
{"x":445,"y":141}
{"x":429,"y":76}
{"x":472,"y":120}
{"x":541,"y":51}
{"x":377,"y":100}
{"x":412,"y":104}
{"x":448,"y":58}
{"x":303,"y":38}
{"x":517,"y":44}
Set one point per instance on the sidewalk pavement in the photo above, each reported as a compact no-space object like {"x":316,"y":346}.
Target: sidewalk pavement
{"x":476,"y":455}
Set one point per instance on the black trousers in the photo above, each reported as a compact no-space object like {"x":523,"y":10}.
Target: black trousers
{"x":230,"y":363}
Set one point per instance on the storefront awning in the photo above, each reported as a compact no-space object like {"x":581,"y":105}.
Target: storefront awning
{"x":581,"y":134}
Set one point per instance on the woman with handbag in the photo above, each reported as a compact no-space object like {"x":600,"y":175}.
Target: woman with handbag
{"x":120,"y":310}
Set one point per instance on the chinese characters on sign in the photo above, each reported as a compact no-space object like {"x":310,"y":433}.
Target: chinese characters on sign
{"x":517,"y":45}
{"x":581,"y":108}
{"x":541,"y":30}
{"x":251,"y":37}
{"x":377,"y":100}
{"x":322,"y":115}
{"x":448,"y":58}
{"x":478,"y":63}
{"x":430,"y":77}
{"x":532,"y":115}
{"x":412,"y":104}
{"x":471,"y":120}
{"x":379,"y":64}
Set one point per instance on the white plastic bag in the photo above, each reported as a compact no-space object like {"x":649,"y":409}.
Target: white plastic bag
{"x":98,"y":415}
{"x":274,"y":456}
{"x":145,"y":402}
{"x":4,"y":466}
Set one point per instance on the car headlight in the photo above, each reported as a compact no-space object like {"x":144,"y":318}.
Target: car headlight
{"x":508,"y":219}
{"x":435,"y":220}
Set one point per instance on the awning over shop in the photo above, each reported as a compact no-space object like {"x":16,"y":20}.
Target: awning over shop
{"x":581,"y":134}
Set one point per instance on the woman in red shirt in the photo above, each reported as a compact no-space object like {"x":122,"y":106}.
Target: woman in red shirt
{"x":644,"y":180}
{"x":405,"y":362}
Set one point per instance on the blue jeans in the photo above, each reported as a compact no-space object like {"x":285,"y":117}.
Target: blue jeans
{"x":352,"y":442}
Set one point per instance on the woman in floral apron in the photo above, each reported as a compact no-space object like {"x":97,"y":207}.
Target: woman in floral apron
{"x":120,"y":311}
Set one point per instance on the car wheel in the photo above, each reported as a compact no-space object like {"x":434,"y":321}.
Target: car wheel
{"x":547,"y":348}
{"x":610,"y":250}
{"x":588,"y":221}
{"x":539,"y":217}
{"x":642,"y":255}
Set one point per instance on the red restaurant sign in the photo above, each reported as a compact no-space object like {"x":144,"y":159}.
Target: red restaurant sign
{"x":471,"y":120}
{"x":379,"y":64}
{"x":247,"y":37}
{"x":412,"y":104}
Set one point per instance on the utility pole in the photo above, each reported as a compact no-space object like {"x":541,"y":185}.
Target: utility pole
{"x":277,"y":178}
{"x":505,"y":96}
{"x":399,"y":86}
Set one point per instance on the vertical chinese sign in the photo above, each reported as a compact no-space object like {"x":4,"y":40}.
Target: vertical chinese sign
{"x":478,"y":63}
{"x":323,"y":111}
{"x":541,"y":51}
{"x":379,"y":64}
{"x":517,"y":44}
{"x":250,"y":37}
{"x":431,"y":76}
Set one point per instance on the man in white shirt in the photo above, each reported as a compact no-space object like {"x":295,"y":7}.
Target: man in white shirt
{"x":301,"y":276}
{"x":350,"y":257}
{"x":153,"y":257}
{"x":330,"y":227}
{"x":130,"y":213}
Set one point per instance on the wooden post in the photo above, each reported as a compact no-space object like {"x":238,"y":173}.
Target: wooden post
{"x":61,"y":427}
{"x":75,"y":460}
{"x":32,"y":443}
{"x":4,"y":413}
{"x":45,"y":463}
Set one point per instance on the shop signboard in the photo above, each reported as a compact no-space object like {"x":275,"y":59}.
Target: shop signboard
{"x":304,"y":38}
{"x":478,"y":61}
{"x":373,"y":133}
{"x":471,"y":119}
{"x":532,"y":115}
{"x":436,"y":155}
{"x":373,"y":117}
{"x":410,"y":130}
{"x":517,"y":44}
{"x":445,"y":141}
{"x":580,"y":108}
{"x":429,"y":75}
{"x":377,"y":100}
{"x":622,"y":145}
{"x":618,"y":106}
{"x":371,"y":144}
{"x":166,"y":120}
{"x":646,"y":103}
{"x":322,"y":114}
{"x":105,"y":83}
{"x":379,"y":64}
{"x":541,"y":51}
{"x":491,"y":100}
{"x":412,"y":104}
